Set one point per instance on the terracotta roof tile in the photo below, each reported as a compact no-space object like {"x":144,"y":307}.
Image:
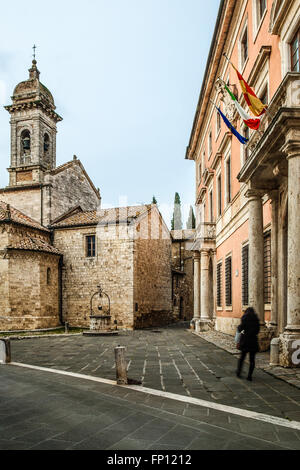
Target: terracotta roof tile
{"x":33,"y":244}
{"x":9,"y":212}
{"x":103,"y":216}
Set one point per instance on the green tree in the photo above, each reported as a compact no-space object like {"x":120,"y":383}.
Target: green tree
{"x":154,"y":201}
{"x":176,"y":222}
{"x":191,"y":223}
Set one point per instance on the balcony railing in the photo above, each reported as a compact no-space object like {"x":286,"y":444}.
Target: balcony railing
{"x":286,"y":96}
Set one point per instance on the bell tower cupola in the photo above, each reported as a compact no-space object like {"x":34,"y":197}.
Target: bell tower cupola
{"x":33,"y":131}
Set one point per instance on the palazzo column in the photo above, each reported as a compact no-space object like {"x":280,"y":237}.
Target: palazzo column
{"x":256,"y":254}
{"x":291,"y":335}
{"x":274,"y":259}
{"x":196,"y":286}
{"x":205,"y":291}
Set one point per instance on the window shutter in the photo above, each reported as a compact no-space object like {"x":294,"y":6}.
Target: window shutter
{"x":267,"y":268}
{"x":228,"y":275}
{"x":245,"y":275}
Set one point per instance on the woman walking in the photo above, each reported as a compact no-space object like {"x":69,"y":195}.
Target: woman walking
{"x":249,"y":328}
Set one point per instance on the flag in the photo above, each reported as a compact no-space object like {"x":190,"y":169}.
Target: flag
{"x":255,"y":105}
{"x":248,"y":120}
{"x":242,"y":139}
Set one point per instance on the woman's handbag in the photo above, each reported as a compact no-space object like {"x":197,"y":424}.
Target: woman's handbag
{"x":238,"y":338}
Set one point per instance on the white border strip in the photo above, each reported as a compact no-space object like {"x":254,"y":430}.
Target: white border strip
{"x":172,"y":396}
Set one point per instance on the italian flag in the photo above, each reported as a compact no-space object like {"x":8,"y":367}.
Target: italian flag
{"x":251,"y":122}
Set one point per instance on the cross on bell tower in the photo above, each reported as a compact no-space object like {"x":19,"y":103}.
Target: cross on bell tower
{"x":33,"y":130}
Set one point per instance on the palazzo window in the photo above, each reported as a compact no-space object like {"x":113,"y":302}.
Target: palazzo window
{"x":209,"y":144}
{"x":219,"y":285}
{"x":244,"y":47}
{"x":211,"y":210}
{"x":228,"y":281}
{"x":267,"y":268}
{"x":261,"y":6}
{"x":245,"y":148}
{"x":245,"y":275}
{"x":295,"y":64}
{"x":91,"y":246}
{"x":219,"y":195}
{"x":228,"y":180}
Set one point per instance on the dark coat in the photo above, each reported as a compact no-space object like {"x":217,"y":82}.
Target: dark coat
{"x":250,"y":326}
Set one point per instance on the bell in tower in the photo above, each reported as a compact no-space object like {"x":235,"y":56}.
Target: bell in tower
{"x":33,"y":131}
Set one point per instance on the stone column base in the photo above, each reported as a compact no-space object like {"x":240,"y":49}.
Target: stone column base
{"x":265,"y":336}
{"x":289,"y":350}
{"x":206,"y":324}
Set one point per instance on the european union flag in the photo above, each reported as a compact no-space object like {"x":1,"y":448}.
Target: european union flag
{"x":242,"y":139}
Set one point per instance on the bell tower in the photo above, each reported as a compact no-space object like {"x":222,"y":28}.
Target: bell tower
{"x":33,"y":131}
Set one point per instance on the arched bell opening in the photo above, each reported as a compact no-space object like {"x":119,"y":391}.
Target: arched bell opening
{"x":25,"y":147}
{"x":47,"y":156}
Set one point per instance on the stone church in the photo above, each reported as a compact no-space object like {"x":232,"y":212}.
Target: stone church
{"x":57,"y":243}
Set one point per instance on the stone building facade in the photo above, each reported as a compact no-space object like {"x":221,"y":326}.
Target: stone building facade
{"x":56,"y":242}
{"x":182,"y":274}
{"x":247,"y":197}
{"x":130,"y":258}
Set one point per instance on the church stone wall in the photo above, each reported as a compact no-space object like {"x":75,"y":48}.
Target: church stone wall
{"x":27,"y":301}
{"x":112,"y":267}
{"x":27,"y":201}
{"x":69,"y":188}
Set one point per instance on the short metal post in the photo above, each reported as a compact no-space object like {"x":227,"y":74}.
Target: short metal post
{"x":66,"y":327}
{"x":5,"y":351}
{"x":121,"y":366}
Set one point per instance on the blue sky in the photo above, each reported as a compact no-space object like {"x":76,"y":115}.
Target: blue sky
{"x":126,"y":77}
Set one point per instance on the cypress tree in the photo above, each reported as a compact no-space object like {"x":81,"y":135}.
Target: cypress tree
{"x":191,"y":223}
{"x":176,"y":222}
{"x":154,"y":201}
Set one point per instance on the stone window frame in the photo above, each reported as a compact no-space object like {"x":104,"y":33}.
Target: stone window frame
{"x":256,"y":21}
{"x":219,"y":263}
{"x":86,"y":235}
{"x":209,"y":144}
{"x":211,"y":200}
{"x":219,"y":193}
{"x":296,"y":36}
{"x":48,"y":279}
{"x":244,"y":245}
{"x":243,"y":61}
{"x":291,"y":25}
{"x":227,"y":200}
{"x":21,"y":130}
{"x":218,"y":123}
{"x":228,"y":307}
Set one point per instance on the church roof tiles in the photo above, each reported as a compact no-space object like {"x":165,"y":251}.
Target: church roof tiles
{"x":10,"y":214}
{"x":33,"y":244}
{"x":104,"y":216}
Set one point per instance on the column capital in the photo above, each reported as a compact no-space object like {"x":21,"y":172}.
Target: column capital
{"x":196,"y":255}
{"x":291,"y":148}
{"x":255,"y":193}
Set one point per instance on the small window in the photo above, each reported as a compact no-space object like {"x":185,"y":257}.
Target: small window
{"x":219,"y":285}
{"x":244,"y":47}
{"x":209,"y":144}
{"x":219,"y":195}
{"x":245,"y":274}
{"x":211,"y":209}
{"x":228,"y":281}
{"x":267,"y":268}
{"x":245,"y":147}
{"x":48,"y":276}
{"x":228,"y":180}
{"x":295,"y":52}
{"x":199,"y":173}
{"x":218,"y":122}
{"x":261,"y":8}
{"x":91,"y":246}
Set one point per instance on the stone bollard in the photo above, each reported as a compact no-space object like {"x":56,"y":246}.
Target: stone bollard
{"x":274,"y":352}
{"x":121,"y":366}
{"x":5,"y":355}
{"x":66,"y":327}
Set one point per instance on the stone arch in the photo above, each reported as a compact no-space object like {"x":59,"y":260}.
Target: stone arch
{"x":47,"y":150}
{"x":25,"y":146}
